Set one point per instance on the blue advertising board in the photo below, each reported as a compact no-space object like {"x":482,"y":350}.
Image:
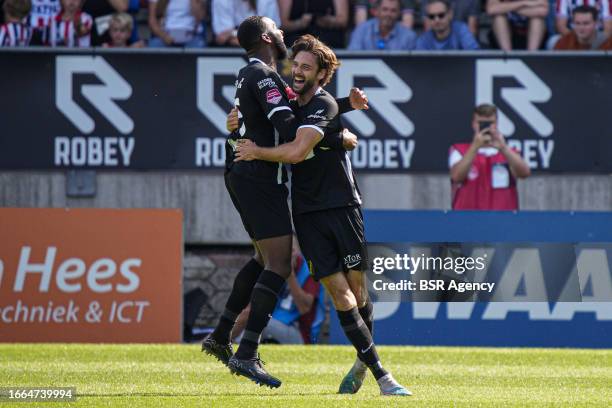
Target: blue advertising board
{"x":513,"y":324}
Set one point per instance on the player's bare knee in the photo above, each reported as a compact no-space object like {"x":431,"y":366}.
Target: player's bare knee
{"x":343,"y":298}
{"x":361,"y":298}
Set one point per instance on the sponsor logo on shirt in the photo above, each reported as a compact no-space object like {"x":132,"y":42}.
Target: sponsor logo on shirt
{"x":273,"y":96}
{"x":266,"y":83}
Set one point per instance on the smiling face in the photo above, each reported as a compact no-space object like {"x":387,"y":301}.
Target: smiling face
{"x":305,"y":72}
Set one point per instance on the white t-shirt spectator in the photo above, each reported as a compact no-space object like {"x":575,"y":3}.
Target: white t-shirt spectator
{"x":228,"y":14}
{"x":178,"y":16}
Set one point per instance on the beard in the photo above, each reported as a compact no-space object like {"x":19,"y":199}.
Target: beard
{"x":307,"y":86}
{"x":279,"y":46}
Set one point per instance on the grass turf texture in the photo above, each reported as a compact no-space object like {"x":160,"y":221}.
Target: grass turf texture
{"x":180,"y":375}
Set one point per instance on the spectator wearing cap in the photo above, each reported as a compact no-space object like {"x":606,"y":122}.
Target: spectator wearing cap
{"x":444,"y":33}
{"x":383,"y":32}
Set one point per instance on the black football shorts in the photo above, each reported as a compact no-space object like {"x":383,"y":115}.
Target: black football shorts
{"x":332,"y":240}
{"x":262,"y":207}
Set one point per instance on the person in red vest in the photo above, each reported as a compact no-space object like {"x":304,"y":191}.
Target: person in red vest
{"x":484,"y":172}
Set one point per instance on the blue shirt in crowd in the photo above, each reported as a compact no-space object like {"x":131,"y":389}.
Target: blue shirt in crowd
{"x":460,"y":38}
{"x":366,"y":36}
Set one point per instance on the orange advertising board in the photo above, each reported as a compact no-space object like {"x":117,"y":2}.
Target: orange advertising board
{"x":90,"y":275}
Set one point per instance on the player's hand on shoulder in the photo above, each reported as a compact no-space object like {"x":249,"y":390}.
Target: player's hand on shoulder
{"x":349,"y":140}
{"x":246,"y":150}
{"x":358,"y":99}
{"x":231,"y":123}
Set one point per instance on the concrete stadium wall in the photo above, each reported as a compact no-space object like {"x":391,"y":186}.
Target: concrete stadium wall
{"x":211,"y":219}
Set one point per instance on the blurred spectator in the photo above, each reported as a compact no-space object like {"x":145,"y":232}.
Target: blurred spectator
{"x":584,"y":34}
{"x":484,"y":172}
{"x":101,"y":11}
{"x":365,"y":9}
{"x":607,"y":45}
{"x":15,"y":32}
{"x":330,"y":20}
{"x":176,"y":23}
{"x":466,"y":11}
{"x":384,"y":32}
{"x":444,"y":33}
{"x":295,"y":19}
{"x":71,"y":27}
{"x":300,"y":310}
{"x":228,"y":14}
{"x":120,"y":31}
{"x":565,"y":10}
{"x":518,"y":23}
{"x":41,"y":14}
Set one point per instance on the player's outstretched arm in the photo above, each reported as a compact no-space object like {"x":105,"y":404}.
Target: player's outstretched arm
{"x":292,"y":152}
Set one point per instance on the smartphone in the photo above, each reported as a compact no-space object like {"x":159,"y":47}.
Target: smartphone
{"x":484,"y":124}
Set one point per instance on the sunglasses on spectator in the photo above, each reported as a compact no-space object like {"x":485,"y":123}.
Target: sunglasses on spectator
{"x":439,"y":16}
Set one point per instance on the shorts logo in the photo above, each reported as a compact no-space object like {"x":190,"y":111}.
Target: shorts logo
{"x":351,"y":261}
{"x":273,"y":96}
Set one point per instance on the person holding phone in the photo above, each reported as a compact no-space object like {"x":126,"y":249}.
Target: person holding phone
{"x":484,"y":172}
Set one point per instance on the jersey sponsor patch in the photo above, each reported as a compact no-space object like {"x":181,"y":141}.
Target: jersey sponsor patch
{"x":273,"y":96}
{"x":266,"y":83}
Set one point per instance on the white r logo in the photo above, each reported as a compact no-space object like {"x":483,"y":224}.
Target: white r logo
{"x":205,"y":87}
{"x":382,"y":99}
{"x":520,"y":99}
{"x":101,"y":96}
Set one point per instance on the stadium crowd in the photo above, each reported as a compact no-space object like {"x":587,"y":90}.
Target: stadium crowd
{"x":352,"y":24}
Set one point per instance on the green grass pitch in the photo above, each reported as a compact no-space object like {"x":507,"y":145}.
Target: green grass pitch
{"x":182,"y":376}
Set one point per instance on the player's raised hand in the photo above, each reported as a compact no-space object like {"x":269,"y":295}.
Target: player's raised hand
{"x":246,"y":150}
{"x":231,"y":123}
{"x":358,"y":99}
{"x":349,"y":140}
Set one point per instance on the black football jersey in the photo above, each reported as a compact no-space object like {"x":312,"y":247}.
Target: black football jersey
{"x":260,"y":94}
{"x":325,"y":179}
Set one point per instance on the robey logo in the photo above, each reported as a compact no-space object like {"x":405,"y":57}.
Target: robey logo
{"x":382,"y":99}
{"x":207,"y":69}
{"x":521,"y":99}
{"x":101,"y":96}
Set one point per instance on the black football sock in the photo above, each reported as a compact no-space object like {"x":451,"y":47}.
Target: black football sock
{"x":367,"y":314}
{"x":263,"y":302}
{"x":237,"y":301}
{"x":358,"y":334}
